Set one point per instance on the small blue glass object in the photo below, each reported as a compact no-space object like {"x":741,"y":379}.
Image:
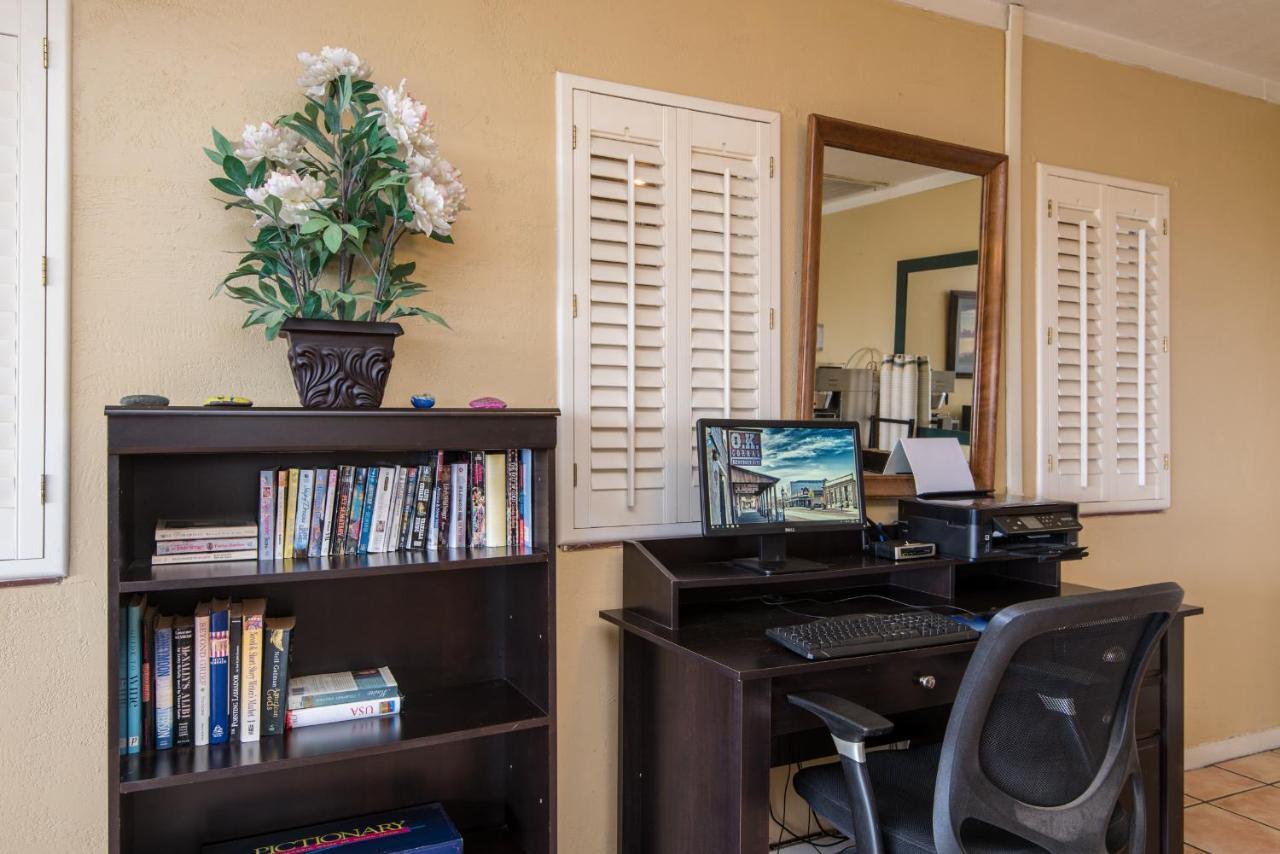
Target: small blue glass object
{"x":422,"y":401}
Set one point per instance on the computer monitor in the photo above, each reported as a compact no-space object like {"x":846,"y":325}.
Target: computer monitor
{"x":771,"y":478}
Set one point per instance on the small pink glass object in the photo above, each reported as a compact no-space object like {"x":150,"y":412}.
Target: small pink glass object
{"x":487,"y":403}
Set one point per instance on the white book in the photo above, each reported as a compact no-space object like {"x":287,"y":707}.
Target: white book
{"x":459,"y":518}
{"x":302,"y":518}
{"x":326,"y":542}
{"x":433,"y":516}
{"x":397,"y":508}
{"x":203,"y":557}
{"x":381,"y":501}
{"x":251,"y":669}
{"x":495,"y":497}
{"x":319,"y":496}
{"x":295,"y":718}
{"x":266,"y":513}
{"x":201,"y":711}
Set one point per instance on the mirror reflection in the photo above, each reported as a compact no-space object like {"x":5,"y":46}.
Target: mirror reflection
{"x":897,"y":299}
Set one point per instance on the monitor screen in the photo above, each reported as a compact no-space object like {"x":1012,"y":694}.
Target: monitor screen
{"x":779,"y":475}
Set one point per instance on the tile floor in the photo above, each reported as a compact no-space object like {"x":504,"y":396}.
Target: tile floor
{"x":1234,"y":807}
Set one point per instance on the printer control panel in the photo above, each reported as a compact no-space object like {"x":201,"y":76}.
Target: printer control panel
{"x":1036,"y":523}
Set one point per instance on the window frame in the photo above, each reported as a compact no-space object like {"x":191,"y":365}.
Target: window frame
{"x":770,"y":379}
{"x":52,"y":565}
{"x":1104,"y":506}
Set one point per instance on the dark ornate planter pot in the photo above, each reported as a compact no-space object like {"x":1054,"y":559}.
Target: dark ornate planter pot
{"x":340,"y":364}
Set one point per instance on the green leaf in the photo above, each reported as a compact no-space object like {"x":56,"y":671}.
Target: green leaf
{"x":311,"y":110}
{"x":352,"y":231}
{"x":311,"y":304}
{"x":313,"y":136}
{"x":441,"y":238}
{"x":314,"y":224}
{"x":234,"y":167}
{"x":228,"y":187}
{"x":400,"y":271}
{"x":225,"y":148}
{"x":333,"y":237}
{"x":259,"y":174}
{"x":215,"y":156}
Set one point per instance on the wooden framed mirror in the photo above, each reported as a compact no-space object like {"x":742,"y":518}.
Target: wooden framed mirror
{"x":911,"y":266}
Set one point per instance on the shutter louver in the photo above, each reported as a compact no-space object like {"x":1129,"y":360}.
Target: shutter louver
{"x":622,"y":384}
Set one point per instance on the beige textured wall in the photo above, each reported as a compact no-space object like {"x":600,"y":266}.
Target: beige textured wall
{"x":1218,"y":154}
{"x":149,"y":241}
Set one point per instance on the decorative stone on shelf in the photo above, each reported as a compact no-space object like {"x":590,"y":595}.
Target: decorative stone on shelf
{"x":422,"y":401}
{"x":488,"y":403}
{"x":144,"y":400}
{"x":231,"y":401}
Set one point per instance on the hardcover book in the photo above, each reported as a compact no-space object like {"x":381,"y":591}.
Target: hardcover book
{"x":302,"y":520}
{"x":136,"y":606}
{"x":275,"y":673}
{"x":330,"y":501}
{"x":184,"y":658}
{"x":204,"y":529}
{"x":251,"y":669}
{"x":282,"y":504}
{"x":266,"y":514}
{"x":222,"y":544}
{"x":122,"y":680}
{"x":357,"y":509}
{"x":353,"y":711}
{"x":219,"y":653}
{"x":412,"y":830}
{"x":325,"y":689}
{"x":235,"y":667}
{"x":202,"y":673}
{"x":495,"y":492}
{"x":164,"y":682}
{"x":320,"y":494}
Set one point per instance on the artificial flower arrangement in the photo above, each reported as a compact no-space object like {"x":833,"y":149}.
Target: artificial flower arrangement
{"x":334,"y":188}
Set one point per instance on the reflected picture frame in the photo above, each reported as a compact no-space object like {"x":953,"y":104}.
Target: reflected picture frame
{"x":962,"y":333}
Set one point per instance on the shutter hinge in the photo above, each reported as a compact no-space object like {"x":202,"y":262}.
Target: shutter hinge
{"x":1164,"y":344}
{"x":44,"y":271}
{"x":1051,"y":463}
{"x":575,"y":474}
{"x":1166,"y":462}
{"x":1050,"y":214}
{"x":44,"y":51}
{"x":770,"y":165}
{"x":575,"y":305}
{"x":1165,"y":225}
{"x":1050,"y":336}
{"x":44,"y":487}
{"x":770,"y":318}
{"x":575,"y":136}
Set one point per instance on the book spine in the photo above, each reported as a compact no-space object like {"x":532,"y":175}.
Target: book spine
{"x":334,"y":698}
{"x":211,"y":532}
{"x":134,"y":742}
{"x":202,"y":675}
{"x":266,"y":514}
{"x":343,"y":510}
{"x":459,"y":520}
{"x":357,"y":510}
{"x":219,"y":651}
{"x":235,"y":667}
{"x":184,"y":682}
{"x":422,"y":506}
{"x":495,"y":521}
{"x":330,"y":501}
{"x":398,"y":503}
{"x":232,"y":544}
{"x":204,"y":557}
{"x":381,"y":510}
{"x":251,"y":675}
{"x":343,"y":712}
{"x":275,"y":677}
{"x":302,"y":520}
{"x":291,"y":514}
{"x":513,"y":497}
{"x":408,"y":506}
{"x":320,"y":494}
{"x":526,"y":498}
{"x":475,"y":537}
{"x":282,"y":512}
{"x":164,"y":683}
{"x":148,"y":679}
{"x":439,"y":535}
{"x":122,"y":680}
{"x":370,"y":508}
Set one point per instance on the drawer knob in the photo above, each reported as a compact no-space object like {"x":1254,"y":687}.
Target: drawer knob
{"x":926,"y":682}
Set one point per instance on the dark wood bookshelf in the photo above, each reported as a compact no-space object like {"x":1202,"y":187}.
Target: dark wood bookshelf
{"x":468,"y":633}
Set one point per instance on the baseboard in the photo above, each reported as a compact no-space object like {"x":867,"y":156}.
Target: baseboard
{"x":1231,"y":748}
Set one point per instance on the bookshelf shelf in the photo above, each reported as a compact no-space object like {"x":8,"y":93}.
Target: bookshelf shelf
{"x":141,"y":577}
{"x":470,"y":635}
{"x":435,"y":717}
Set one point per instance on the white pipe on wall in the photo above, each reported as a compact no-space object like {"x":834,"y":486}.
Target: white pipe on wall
{"x":1012,"y":372}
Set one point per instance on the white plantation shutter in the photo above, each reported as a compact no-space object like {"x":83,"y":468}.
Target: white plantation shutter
{"x":1103,"y":308}
{"x":720,"y":167}
{"x":22,"y":297}
{"x":672,"y":277}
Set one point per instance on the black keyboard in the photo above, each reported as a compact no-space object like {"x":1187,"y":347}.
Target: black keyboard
{"x":862,"y":634}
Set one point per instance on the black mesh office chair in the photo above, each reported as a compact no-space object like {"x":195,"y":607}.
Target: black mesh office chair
{"x":1039,"y":748}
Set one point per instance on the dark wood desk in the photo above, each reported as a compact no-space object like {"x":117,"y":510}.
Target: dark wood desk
{"x":702,"y":700}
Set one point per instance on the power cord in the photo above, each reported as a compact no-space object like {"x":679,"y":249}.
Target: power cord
{"x":784,"y":604}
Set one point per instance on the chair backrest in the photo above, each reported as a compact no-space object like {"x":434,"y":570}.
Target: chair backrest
{"x":1041,"y":740}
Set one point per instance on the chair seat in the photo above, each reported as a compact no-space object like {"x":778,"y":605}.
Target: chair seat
{"x":903,"y":783}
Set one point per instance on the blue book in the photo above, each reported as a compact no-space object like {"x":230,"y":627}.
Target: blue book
{"x":122,"y":684}
{"x":370,"y":499}
{"x":357,"y":510}
{"x":219,"y":688}
{"x":412,"y":830}
{"x":302,"y":521}
{"x":526,"y":498}
{"x":163,"y":692}
{"x":134,"y":664}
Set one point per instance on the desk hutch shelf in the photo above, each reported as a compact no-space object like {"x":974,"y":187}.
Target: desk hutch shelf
{"x":469,"y":635}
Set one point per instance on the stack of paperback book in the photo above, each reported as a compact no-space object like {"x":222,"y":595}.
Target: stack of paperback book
{"x":452,"y":500}
{"x":218,"y":675}
{"x":331,"y":697}
{"x":201,"y":540}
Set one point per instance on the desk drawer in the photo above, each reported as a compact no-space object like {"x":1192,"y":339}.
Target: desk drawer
{"x":888,"y":687}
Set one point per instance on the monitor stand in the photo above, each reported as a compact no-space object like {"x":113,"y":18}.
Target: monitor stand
{"x":773,"y":558}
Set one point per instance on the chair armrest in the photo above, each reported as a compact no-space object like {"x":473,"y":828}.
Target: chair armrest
{"x":846,"y":719}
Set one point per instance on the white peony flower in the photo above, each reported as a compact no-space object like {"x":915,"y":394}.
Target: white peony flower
{"x":333,"y":62}
{"x":280,"y":146}
{"x":298,"y":195}
{"x":436,"y":194}
{"x":405,"y":119}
